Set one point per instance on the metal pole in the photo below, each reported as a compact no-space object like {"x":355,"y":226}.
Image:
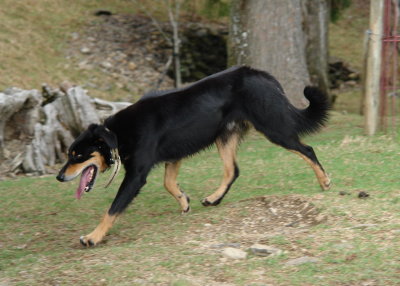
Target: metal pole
{"x":394,"y":67}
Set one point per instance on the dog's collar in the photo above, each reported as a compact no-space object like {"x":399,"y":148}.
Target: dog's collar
{"x":116,"y":168}
{"x":115,"y":160}
{"x":113,"y":155}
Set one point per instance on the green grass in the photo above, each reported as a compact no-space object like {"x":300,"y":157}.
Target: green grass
{"x":152,"y":243}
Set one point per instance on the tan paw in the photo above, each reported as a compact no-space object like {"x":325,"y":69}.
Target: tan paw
{"x":326,"y":185}
{"x":184,"y":201}
{"x":89,"y":240}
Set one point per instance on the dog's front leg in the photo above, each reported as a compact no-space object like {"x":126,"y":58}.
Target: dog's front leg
{"x":99,"y":232}
{"x":128,"y":190}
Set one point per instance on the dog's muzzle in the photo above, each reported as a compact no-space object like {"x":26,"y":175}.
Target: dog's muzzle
{"x":60,"y":177}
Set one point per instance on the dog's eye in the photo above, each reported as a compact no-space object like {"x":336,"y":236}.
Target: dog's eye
{"x":76,"y":156}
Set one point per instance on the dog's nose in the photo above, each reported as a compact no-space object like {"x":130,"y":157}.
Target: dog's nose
{"x":60,"y":177}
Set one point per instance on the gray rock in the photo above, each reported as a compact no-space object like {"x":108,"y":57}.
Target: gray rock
{"x":106,"y":65}
{"x":84,"y":65}
{"x":302,"y":260}
{"x":85,"y":50}
{"x":234,"y":253}
{"x":363,"y":226}
{"x":222,"y":245}
{"x":265,"y":250}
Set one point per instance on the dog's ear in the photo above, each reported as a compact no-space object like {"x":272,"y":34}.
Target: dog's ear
{"x":110,"y":139}
{"x":105,"y":135}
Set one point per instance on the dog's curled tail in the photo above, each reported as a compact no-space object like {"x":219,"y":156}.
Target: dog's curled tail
{"x":314,"y":117}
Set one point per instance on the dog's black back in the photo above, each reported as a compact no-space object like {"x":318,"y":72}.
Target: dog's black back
{"x":174,"y":124}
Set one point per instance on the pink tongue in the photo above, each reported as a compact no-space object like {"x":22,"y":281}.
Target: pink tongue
{"x":85,"y":179}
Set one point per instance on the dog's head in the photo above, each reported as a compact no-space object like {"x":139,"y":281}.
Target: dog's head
{"x":94,"y":151}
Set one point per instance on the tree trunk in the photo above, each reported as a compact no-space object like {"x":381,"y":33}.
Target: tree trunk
{"x":315,"y":26}
{"x":271,"y":35}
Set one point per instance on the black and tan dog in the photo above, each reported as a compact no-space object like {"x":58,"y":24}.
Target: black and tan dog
{"x":170,"y":125}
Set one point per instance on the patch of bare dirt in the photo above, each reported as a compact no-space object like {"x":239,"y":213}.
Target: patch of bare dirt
{"x":256,"y":220}
{"x":286,"y":211}
{"x":280,"y":222}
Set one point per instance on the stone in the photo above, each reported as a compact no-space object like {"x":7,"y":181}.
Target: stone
{"x":222,"y":245}
{"x":363,"y":226}
{"x":234,"y":253}
{"x":302,"y":260}
{"x":85,"y":50}
{"x":265,"y":250}
{"x":106,"y":65}
{"x":363,"y":195}
{"x":132,"y":66}
{"x":84,"y":65}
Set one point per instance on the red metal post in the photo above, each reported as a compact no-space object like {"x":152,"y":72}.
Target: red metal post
{"x":389,"y":70}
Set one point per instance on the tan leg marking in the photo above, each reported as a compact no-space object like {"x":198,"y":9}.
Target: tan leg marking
{"x":171,"y":185}
{"x":100,"y":231}
{"x":323,"y":178}
{"x":227,"y":153}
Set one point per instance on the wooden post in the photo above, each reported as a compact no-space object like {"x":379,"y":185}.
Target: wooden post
{"x":373,"y":69}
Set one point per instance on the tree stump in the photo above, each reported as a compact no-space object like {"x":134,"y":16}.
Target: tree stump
{"x":36,"y":128}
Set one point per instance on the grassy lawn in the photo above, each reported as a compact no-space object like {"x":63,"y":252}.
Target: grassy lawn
{"x":152,"y":244}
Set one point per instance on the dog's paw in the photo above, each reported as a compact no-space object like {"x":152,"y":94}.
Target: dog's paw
{"x":86,"y":242}
{"x":186,"y":211}
{"x":205,"y":202}
{"x":326,"y":185}
{"x":89,"y":241}
{"x":184,"y":202}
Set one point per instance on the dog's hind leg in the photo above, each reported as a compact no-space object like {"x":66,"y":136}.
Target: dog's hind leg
{"x":171,"y":185}
{"x":227,"y":150}
{"x":306,"y":152}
